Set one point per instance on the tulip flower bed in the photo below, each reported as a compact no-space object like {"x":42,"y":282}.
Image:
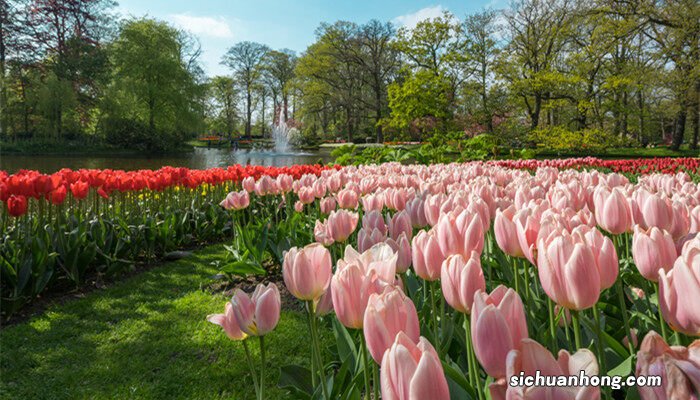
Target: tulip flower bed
{"x":441,"y":281}
{"x":452,"y":281}
{"x":59,"y":228}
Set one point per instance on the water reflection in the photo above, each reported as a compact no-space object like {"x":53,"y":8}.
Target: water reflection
{"x":200,"y":158}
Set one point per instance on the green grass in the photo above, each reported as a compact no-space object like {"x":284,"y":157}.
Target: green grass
{"x":630,"y":152}
{"x":146,"y":338}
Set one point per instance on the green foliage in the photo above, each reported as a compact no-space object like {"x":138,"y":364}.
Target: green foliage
{"x":584,"y":141}
{"x":418,"y":103}
{"x":136,"y":134}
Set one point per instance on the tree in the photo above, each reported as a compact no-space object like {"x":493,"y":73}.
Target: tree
{"x":537,"y":31}
{"x":224,"y":99}
{"x":153,"y":79}
{"x":279,"y":69}
{"x":245,"y":59}
{"x":480,"y":44}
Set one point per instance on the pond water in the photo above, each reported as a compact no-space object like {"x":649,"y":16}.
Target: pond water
{"x":200,"y":158}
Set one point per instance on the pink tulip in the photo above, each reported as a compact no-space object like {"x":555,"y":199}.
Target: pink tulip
{"x":398,"y":224}
{"x":284,"y":181}
{"x":604,"y":253}
{"x":506,"y":233}
{"x":248,"y":184}
{"x":347,"y":199}
{"x":328,"y":204}
{"x":341,"y":224}
{"x":652,"y":250}
{"x":679,"y":291}
{"x":527,"y":225}
{"x":307,"y":271}
{"x":678,"y":367}
{"x":351,"y":288}
{"x":568,"y":272}
{"x":228,"y":322}
{"x":532,"y":358}
{"x":306,"y":195}
{"x":460,"y":233}
{"x":298,"y":206}
{"x":236,"y":201}
{"x":658,"y":211}
{"x":460,"y":279}
{"x":498,"y":324}
{"x":319,"y":188}
{"x":612,"y":211}
{"x":412,"y":372}
{"x":321,"y":233}
{"x":694,"y":216}
{"x":367,"y":239}
{"x":380,"y":259}
{"x":373,"y":202}
{"x":374,"y":220}
{"x":681,"y":220}
{"x":427,"y":256}
{"x":416,"y":210}
{"x":324,"y":305}
{"x":386,"y":315}
{"x":257,"y":315}
{"x":431,"y":208}
{"x":402,"y":247}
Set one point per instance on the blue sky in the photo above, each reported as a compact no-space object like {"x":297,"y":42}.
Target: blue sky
{"x":283,"y":23}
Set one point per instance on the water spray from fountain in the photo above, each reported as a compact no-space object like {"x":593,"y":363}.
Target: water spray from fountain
{"x":281,"y":134}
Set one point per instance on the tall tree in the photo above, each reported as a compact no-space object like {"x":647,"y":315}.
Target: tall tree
{"x":224,"y":98}
{"x":245,"y":59}
{"x":279,"y":67}
{"x":537,"y":31}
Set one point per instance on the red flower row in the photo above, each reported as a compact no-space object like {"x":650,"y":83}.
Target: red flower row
{"x":17,"y":188}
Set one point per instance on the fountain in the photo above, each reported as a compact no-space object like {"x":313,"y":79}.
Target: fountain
{"x":281,"y":134}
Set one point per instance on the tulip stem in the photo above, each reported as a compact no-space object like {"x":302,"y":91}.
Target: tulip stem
{"x":262,"y":367}
{"x":314,"y":339}
{"x":471,"y":359}
{"x":515,"y":275}
{"x":433,"y":313}
{"x":366,"y":368}
{"x":251,"y":366}
{"x":313,"y":347}
{"x":599,"y":342}
{"x":661,"y":317}
{"x":552,"y":327}
{"x":625,"y":320}
{"x":577,"y":328}
{"x":376,"y":383}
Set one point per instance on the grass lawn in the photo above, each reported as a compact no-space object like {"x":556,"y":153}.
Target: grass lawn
{"x":146,"y":338}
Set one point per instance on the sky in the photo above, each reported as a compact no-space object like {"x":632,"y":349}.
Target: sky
{"x":291,"y":24}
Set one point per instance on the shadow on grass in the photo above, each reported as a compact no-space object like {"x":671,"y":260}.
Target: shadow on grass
{"x":144,"y":338}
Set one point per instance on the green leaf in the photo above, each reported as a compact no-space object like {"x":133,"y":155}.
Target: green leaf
{"x":243,"y":268}
{"x":622,"y":369}
{"x":297,"y":378}
{"x":346,"y":346}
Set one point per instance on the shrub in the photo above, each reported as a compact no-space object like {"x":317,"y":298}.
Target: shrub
{"x":560,"y":139}
{"x":134,"y":134}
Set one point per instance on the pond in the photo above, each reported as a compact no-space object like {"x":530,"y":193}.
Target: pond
{"x":200,"y":158}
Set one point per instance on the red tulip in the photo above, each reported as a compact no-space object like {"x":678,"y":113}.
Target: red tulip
{"x":412,"y":371}
{"x":80,"y":189}
{"x":58,"y":195}
{"x":17,"y":205}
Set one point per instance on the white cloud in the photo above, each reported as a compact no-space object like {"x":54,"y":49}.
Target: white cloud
{"x":216,"y":27}
{"x":411,"y":20}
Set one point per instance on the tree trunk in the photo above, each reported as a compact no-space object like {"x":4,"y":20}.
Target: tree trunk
{"x":679,"y":127}
{"x":640,"y":104}
{"x":535,"y":114}
{"x":262,"y":128}
{"x":695,"y":109}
